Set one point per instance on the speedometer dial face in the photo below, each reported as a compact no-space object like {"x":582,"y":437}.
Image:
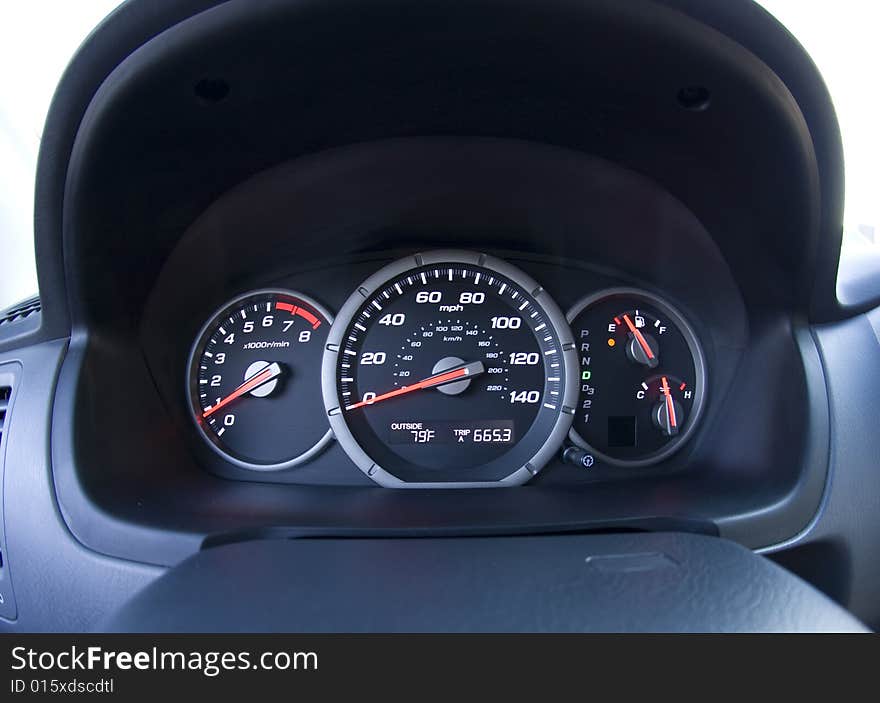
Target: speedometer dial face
{"x":450,"y":369}
{"x":254,"y":380}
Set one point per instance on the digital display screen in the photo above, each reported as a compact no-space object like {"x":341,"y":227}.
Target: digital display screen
{"x":484,"y":432}
{"x":622,"y":431}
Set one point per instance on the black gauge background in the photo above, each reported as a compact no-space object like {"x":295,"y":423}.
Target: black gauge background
{"x":616,"y":379}
{"x":448,"y":464}
{"x":287,"y":428}
{"x":474,"y":404}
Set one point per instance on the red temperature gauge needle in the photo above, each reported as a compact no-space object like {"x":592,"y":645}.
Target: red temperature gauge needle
{"x":670,"y":406}
{"x":261,"y":377}
{"x":639,"y":338}
{"x":438,"y":379}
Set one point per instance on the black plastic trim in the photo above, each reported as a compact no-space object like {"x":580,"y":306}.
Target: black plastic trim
{"x":778,"y":523}
{"x":663,"y":582}
{"x":130,"y":25}
{"x":9,"y":376}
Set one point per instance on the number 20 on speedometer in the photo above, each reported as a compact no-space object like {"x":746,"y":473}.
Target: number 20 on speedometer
{"x":450,"y":368}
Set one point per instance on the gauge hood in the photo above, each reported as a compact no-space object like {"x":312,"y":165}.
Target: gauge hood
{"x":180,"y":100}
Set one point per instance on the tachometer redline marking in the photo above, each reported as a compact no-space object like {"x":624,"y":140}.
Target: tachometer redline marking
{"x":302,"y":312}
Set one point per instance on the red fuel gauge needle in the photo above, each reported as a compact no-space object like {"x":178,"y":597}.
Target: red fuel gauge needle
{"x":670,"y":406}
{"x":255,"y":381}
{"x":639,"y":338}
{"x":438,"y":379}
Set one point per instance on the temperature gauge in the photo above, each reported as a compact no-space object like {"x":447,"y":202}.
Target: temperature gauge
{"x":668,"y":397}
{"x":642,"y":377}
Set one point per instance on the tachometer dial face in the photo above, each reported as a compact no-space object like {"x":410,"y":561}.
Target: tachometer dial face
{"x":642,"y":377}
{"x":254,"y":380}
{"x":450,"y":368}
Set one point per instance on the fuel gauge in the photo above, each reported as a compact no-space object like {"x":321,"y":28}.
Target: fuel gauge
{"x":643,"y":377}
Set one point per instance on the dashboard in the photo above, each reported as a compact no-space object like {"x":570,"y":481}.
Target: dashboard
{"x":651,"y":394}
{"x":468,"y":345}
{"x":443,"y":277}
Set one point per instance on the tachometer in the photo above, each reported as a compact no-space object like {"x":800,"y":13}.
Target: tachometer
{"x":254,"y":380}
{"x":450,"y":369}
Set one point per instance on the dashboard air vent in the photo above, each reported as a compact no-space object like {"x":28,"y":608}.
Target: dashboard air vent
{"x":8,"y":376}
{"x":24,"y":309}
{"x":5,"y":395}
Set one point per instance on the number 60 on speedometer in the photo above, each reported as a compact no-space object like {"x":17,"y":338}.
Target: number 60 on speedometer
{"x":450,"y":368}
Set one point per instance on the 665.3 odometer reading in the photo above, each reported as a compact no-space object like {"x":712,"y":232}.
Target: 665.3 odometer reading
{"x":450,"y":368}
{"x":453,"y":432}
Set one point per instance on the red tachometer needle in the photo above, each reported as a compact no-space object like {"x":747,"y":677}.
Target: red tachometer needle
{"x":438,"y":379}
{"x":670,"y":406}
{"x":639,"y":338}
{"x":261,"y":377}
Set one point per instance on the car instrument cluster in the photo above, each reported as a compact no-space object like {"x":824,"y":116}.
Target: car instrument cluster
{"x":446,"y":369}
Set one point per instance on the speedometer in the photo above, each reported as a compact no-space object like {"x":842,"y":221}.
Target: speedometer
{"x":450,"y":369}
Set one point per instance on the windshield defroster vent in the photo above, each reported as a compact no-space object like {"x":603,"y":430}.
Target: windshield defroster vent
{"x":21,"y":311}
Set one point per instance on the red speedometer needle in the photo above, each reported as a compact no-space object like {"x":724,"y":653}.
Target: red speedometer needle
{"x":670,"y":406}
{"x":438,"y":379}
{"x":252,"y":383}
{"x":640,"y":338}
